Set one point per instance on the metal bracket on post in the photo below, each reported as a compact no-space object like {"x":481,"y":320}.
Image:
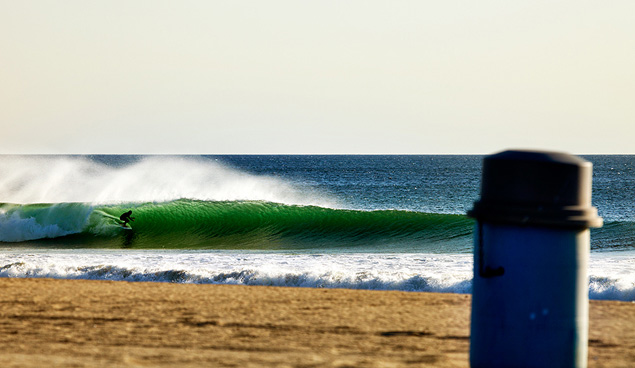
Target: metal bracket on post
{"x":485,"y":271}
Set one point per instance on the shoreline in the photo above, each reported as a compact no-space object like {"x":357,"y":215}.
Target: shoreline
{"x":52,"y":322}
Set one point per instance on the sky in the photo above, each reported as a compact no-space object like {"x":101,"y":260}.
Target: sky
{"x":316,"y":77}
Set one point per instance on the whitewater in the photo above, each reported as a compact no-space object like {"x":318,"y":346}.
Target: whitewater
{"x":361,"y":222}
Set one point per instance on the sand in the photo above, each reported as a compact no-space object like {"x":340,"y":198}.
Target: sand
{"x":77,"y":323}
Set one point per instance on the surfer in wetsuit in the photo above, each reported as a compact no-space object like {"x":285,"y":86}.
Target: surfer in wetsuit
{"x":126,"y":217}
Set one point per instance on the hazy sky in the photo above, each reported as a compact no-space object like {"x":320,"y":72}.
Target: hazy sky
{"x":341,"y":76}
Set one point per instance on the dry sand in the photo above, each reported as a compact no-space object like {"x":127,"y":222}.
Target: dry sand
{"x":72,"y":323}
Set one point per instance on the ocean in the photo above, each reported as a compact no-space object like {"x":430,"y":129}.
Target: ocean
{"x":385,"y":222}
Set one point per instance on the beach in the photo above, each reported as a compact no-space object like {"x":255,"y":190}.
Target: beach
{"x":81,"y":323}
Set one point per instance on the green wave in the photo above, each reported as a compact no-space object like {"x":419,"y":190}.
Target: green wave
{"x":243,"y":225}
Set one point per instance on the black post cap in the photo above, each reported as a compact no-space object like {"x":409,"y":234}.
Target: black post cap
{"x":536,"y":188}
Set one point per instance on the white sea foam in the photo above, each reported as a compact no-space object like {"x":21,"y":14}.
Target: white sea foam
{"x":16,"y":229}
{"x":412,"y":272}
{"x":610,"y":273}
{"x":49,"y":222}
{"x":612,"y":276}
{"x":55,"y":179}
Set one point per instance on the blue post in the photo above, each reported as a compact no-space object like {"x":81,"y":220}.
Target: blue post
{"x":530,"y":288}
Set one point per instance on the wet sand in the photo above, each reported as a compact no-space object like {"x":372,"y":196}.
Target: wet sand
{"x":69,"y":323}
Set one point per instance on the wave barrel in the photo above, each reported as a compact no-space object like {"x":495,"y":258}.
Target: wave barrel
{"x":531,"y":250}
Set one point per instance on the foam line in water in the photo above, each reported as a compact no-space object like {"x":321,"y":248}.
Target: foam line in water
{"x":437,"y":273}
{"x":56,"y":179}
{"x":610,"y":273}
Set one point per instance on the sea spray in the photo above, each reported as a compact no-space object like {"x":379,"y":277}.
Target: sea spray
{"x":63,"y":179}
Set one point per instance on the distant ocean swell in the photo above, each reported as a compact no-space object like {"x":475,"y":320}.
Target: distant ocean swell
{"x":196,"y":224}
{"x":614,"y":235}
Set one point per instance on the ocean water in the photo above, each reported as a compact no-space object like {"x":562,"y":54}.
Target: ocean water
{"x":353,"y":221}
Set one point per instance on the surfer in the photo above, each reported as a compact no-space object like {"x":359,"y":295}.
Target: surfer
{"x":126,"y":217}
